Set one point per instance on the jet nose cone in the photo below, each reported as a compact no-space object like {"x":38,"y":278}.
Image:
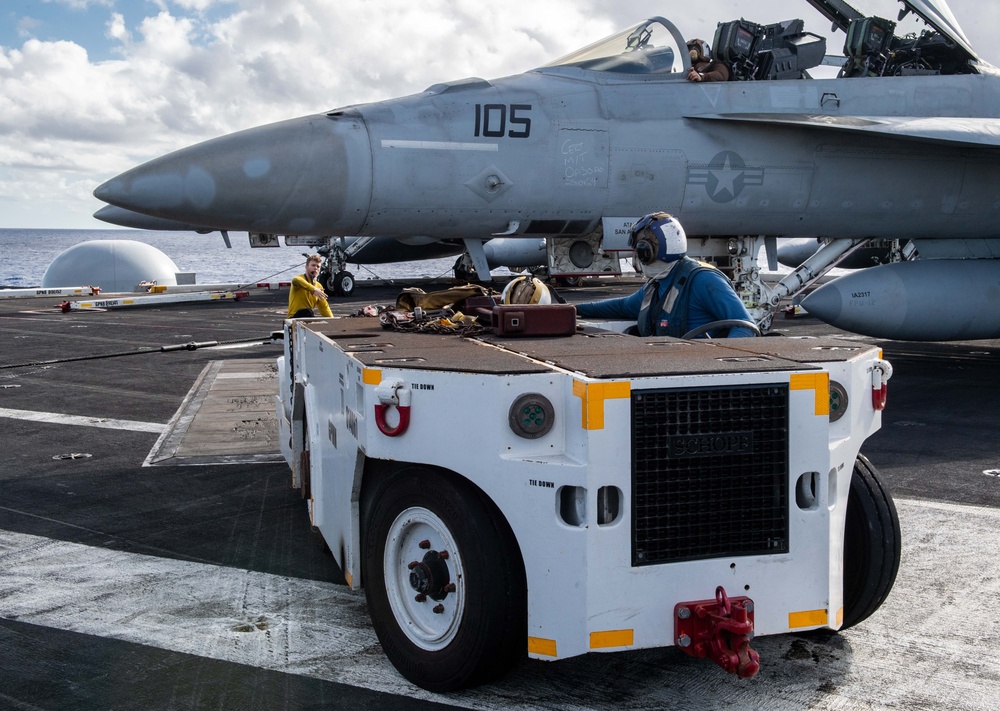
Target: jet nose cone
{"x":310,"y":175}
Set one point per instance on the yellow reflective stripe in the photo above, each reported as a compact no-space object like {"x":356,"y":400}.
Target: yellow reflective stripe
{"x":545,"y":647}
{"x":820,"y":383}
{"x":593,"y":396}
{"x":806,"y":618}
{"x":612,"y":638}
{"x":840,"y":617}
{"x":371,"y":376}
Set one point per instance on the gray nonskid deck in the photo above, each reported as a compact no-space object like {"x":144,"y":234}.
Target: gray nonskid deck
{"x":227,"y":418}
{"x":190,"y":587}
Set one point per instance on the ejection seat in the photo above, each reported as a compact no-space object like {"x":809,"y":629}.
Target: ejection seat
{"x":867,"y":46}
{"x":779,"y":51}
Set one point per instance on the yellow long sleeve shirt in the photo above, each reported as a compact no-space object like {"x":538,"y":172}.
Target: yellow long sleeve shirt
{"x":301,"y":296}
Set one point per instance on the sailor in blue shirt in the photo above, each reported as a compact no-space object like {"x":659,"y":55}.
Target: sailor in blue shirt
{"x":681,"y":294}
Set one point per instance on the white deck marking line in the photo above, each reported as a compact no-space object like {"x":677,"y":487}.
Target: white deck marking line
{"x":921,"y":649}
{"x":58,"y":418}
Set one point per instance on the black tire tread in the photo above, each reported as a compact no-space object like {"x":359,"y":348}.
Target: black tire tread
{"x":872,"y":516}
{"x":489,"y":646}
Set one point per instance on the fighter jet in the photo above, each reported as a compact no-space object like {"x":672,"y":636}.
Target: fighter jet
{"x":902,"y":144}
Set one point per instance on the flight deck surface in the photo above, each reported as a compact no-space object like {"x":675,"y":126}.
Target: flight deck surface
{"x":138,"y":570}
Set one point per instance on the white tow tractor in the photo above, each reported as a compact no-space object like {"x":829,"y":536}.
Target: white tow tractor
{"x":500,"y":497}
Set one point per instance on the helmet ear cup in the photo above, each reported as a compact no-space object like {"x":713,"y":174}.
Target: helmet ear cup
{"x":646,"y":248}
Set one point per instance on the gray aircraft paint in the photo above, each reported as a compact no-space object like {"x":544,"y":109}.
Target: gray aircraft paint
{"x":560,"y":150}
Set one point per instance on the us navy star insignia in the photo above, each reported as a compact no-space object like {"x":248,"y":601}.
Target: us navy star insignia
{"x":725,"y":176}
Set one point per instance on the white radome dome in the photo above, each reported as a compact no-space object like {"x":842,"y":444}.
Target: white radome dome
{"x":112,"y":264}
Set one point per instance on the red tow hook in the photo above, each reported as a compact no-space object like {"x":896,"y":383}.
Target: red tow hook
{"x":392,"y":393}
{"x":881,"y":372}
{"x":720,"y":629}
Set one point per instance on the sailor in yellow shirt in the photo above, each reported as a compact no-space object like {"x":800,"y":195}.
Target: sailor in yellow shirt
{"x":307,"y":298}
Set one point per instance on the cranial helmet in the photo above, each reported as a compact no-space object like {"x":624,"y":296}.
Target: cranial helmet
{"x":526,"y":290}
{"x":704,"y":50}
{"x":658,"y":237}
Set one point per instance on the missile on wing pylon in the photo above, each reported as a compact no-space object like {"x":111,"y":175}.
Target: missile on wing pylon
{"x":927,"y":300}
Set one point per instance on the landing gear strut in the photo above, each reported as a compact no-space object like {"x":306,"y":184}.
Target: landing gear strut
{"x":333,"y":275}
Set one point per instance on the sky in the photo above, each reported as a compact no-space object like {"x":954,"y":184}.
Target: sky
{"x":90,"y":88}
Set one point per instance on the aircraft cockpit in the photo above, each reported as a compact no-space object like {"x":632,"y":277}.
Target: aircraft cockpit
{"x":653,"y":46}
{"x":931,"y":43}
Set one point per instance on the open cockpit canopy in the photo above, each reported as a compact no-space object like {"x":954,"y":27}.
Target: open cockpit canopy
{"x":925,"y":38}
{"x":935,"y":13}
{"x":652,"y":46}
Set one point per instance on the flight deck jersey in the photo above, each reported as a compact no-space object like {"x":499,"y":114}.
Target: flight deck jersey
{"x":703,"y":294}
{"x":301,"y":296}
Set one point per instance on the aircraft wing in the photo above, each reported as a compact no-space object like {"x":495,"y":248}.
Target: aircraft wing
{"x":982,"y":132}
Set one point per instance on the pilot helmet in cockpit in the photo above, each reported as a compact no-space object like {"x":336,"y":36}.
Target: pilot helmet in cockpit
{"x":699,"y":49}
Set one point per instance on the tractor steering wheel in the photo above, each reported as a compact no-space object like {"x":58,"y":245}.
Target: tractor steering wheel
{"x":726,"y":323}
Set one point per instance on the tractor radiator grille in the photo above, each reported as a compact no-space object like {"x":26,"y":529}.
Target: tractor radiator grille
{"x":709,"y":473}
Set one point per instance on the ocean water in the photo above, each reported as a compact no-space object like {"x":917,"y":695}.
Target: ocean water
{"x":26,"y":254}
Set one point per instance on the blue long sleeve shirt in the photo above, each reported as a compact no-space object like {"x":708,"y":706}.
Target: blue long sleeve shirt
{"x":712,"y":299}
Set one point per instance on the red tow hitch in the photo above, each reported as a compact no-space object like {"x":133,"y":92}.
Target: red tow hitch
{"x":720,"y":629}
{"x":881,"y":372}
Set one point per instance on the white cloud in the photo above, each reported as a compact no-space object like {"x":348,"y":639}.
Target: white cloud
{"x":26,"y":26}
{"x":117,"y":30}
{"x":195,"y":5}
{"x":82,"y":4}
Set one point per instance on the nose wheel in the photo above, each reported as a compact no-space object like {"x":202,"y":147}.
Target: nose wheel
{"x":343,"y":283}
{"x":333,"y":275}
{"x":340,"y":283}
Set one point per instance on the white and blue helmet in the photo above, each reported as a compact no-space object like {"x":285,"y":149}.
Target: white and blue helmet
{"x":526,"y":290}
{"x":658,"y":237}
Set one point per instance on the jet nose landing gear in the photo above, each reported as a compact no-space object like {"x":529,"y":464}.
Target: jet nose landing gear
{"x":333,"y":275}
{"x":339,"y":283}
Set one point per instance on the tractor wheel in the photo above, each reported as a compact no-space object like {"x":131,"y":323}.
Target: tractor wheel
{"x":444,"y":581}
{"x":871,"y":544}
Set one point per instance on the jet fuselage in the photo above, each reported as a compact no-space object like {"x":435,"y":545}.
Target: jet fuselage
{"x":556,"y":150}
